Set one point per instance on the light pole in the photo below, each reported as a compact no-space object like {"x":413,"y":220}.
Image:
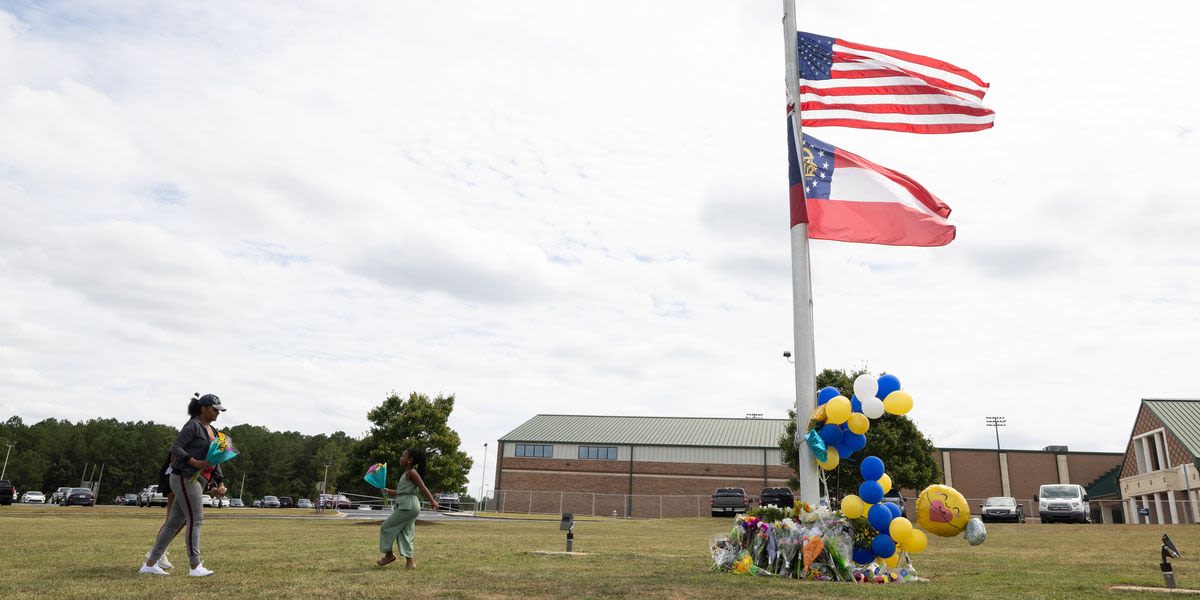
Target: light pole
{"x":483,"y":479}
{"x":998,"y":422}
{"x":324,"y":490}
{"x":11,"y":444}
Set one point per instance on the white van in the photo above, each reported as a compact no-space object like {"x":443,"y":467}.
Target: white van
{"x":1063,"y":502}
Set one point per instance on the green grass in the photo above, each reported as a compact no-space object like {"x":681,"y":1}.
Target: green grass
{"x":94,"y":552}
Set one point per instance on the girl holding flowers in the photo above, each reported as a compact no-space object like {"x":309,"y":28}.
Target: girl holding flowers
{"x":399,"y":528}
{"x":190,"y":474}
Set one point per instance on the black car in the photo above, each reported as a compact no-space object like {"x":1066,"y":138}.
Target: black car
{"x":777,"y":496}
{"x":286,"y":502}
{"x":81,"y":497}
{"x":8,"y":493}
{"x":896,"y":498}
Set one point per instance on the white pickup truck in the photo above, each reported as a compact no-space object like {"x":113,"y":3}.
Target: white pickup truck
{"x":152,"y":497}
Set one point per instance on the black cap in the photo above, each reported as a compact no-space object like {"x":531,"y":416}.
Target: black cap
{"x":211,"y":400}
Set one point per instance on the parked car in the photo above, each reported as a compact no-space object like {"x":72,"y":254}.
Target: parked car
{"x":286,"y":502}
{"x":236,"y":503}
{"x":333,"y":501}
{"x":81,"y":497}
{"x":257,"y":504}
{"x":448,"y":502}
{"x":33,"y":497}
{"x":777,"y":496}
{"x":304,"y":503}
{"x":270,"y":502}
{"x":130,"y":499}
{"x":206,"y":501}
{"x":894,"y":496}
{"x":221,"y":502}
{"x":1063,"y":502}
{"x":59,"y":495}
{"x":1002,"y":508}
{"x":151,"y":496}
{"x":8,"y":492}
{"x":726,"y":501}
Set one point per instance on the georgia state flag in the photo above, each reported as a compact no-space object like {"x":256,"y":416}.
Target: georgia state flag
{"x":851,"y":199}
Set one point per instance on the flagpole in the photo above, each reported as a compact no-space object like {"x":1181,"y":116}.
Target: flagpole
{"x":802,"y":307}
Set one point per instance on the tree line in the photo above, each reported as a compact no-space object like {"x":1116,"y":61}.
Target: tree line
{"x":57,"y":453}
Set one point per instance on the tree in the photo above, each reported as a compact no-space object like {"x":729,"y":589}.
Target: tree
{"x":416,"y":422}
{"x":907,"y":454}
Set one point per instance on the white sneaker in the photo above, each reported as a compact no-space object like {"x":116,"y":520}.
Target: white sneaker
{"x":163,"y":563}
{"x":152,"y":570}
{"x":200,"y":571}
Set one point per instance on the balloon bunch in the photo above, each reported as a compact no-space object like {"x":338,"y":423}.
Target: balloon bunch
{"x":895,"y":534}
{"x":838,"y":427}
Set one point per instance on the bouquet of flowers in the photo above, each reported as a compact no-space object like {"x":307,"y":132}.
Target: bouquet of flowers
{"x":219,"y":450}
{"x":377,"y":476}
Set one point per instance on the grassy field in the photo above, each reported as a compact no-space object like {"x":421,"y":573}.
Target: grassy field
{"x":94,"y":552}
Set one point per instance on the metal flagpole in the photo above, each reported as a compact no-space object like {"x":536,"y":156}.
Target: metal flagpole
{"x":802,"y":307}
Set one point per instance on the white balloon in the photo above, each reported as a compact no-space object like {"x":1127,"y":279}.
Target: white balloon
{"x":872,"y":407}
{"x":866,"y":386}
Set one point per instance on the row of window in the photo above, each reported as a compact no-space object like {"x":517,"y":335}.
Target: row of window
{"x":547,"y":451}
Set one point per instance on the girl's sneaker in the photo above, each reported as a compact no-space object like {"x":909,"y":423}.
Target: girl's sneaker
{"x":200,"y":571}
{"x":152,"y":570}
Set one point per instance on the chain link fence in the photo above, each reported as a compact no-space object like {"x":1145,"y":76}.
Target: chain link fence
{"x":636,"y":506}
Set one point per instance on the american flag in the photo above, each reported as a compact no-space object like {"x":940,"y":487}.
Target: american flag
{"x":853,"y":85}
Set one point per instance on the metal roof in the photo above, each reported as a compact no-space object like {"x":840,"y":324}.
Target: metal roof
{"x":650,"y":431}
{"x":1181,"y":417}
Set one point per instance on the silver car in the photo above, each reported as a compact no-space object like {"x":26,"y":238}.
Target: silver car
{"x":1002,"y":508}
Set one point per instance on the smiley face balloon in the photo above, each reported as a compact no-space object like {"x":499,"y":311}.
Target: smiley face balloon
{"x":941,"y":510}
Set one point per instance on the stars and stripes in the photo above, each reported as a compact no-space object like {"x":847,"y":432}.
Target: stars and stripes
{"x":851,"y":199}
{"x":854,"y":85}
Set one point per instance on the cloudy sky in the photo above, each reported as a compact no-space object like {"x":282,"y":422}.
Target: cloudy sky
{"x":578,"y":207}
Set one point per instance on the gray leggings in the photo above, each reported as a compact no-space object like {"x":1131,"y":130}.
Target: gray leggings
{"x":186,"y":510}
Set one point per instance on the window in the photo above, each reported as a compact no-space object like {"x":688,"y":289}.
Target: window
{"x":535,"y":450}
{"x":598,"y":452}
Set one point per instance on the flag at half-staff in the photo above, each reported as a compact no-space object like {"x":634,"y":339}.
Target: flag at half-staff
{"x":845,"y":197}
{"x":846,"y":84}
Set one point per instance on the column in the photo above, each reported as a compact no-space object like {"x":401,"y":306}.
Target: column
{"x":946,"y":469}
{"x":1146,"y":505}
{"x":1006,"y":489}
{"x":1195,"y":509}
{"x":1064,"y":476}
{"x":1171,"y":504}
{"x":1158,"y":511}
{"x":1106,"y":513}
{"x":1131,"y":515}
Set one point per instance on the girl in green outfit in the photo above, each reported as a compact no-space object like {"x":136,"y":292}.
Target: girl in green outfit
{"x":398,"y":529}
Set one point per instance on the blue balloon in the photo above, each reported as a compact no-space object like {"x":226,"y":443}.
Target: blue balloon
{"x":832,"y":434}
{"x":880,"y":517}
{"x":870,"y":492}
{"x":854,"y":441}
{"x":844,"y":450}
{"x":871,"y":468}
{"x":883,"y":546}
{"x":887,"y":384}
{"x":863,"y":556}
{"x":895,"y":508}
{"x":826,"y":394}
{"x":855,"y":404}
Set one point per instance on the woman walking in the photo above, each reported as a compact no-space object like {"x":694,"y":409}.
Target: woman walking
{"x":189,"y":453}
{"x":399,"y":528}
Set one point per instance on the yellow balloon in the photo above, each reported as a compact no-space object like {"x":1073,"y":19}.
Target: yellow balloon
{"x":886,"y":483}
{"x":837,"y":410}
{"x":916,"y":542}
{"x":852,"y":506}
{"x":900,"y":529}
{"x":831,"y":459}
{"x":898,"y":402}
{"x":858,"y":423}
{"x":892,"y":560}
{"x":942,"y":510}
